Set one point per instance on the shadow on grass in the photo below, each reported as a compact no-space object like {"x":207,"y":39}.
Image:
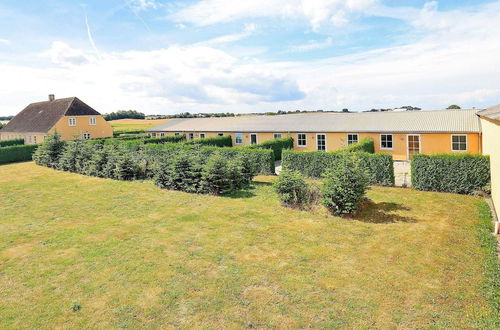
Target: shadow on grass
{"x":247,"y":193}
{"x":372,"y":212}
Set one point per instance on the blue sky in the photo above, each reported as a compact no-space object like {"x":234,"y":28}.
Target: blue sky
{"x":164,"y":57}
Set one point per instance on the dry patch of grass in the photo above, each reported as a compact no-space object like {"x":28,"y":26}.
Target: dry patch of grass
{"x":135,"y":124}
{"x":133,"y":255}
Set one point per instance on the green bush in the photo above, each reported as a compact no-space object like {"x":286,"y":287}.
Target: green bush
{"x":216,"y":141}
{"x":125,"y":131}
{"x":17,"y":153}
{"x":165,"y":139}
{"x":216,"y":176}
{"x":277,"y":145}
{"x":365,"y":145}
{"x":344,"y":186}
{"x":379,"y":167}
{"x":12,"y":142}
{"x":182,"y":173}
{"x":455,"y":173}
{"x":48,"y":153}
{"x":292,"y":189}
{"x":75,"y":156}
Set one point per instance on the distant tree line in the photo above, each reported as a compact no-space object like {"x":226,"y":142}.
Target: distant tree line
{"x":6,"y":117}
{"x":123,"y":114}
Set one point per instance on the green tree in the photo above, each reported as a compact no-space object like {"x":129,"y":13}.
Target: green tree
{"x":454,"y":106}
{"x":48,"y":153}
{"x":216,"y":178}
{"x":292,"y":189}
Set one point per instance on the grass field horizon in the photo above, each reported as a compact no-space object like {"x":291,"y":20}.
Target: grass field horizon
{"x":135,"y":124}
{"x":84,"y":252}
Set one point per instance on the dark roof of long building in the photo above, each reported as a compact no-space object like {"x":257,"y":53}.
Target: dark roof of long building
{"x":438,"y":121}
{"x":491,"y":112}
{"x":40,"y":117}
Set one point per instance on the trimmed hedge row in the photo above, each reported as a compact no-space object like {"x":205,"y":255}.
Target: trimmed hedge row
{"x":17,"y":153}
{"x":216,"y":141}
{"x":379,"y":167}
{"x":277,"y":145}
{"x":125,"y":131}
{"x":12,"y":142}
{"x":455,"y":173}
{"x":165,"y":139}
{"x":365,"y":145}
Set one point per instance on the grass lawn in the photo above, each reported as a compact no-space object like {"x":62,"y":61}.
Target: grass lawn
{"x":135,"y":124}
{"x":127,"y":254}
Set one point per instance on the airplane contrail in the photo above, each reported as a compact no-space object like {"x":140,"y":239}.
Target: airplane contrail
{"x":91,"y":40}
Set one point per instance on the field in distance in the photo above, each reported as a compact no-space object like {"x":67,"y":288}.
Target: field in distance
{"x":135,"y":124}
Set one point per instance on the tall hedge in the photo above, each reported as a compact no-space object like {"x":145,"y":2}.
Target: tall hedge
{"x":17,"y":153}
{"x":165,"y":139}
{"x":277,"y":145}
{"x":365,"y":145}
{"x":216,"y":141}
{"x":12,"y":142}
{"x":127,"y":131}
{"x":456,"y":173}
{"x":379,"y":167}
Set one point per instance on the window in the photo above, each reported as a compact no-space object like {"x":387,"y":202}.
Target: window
{"x":352,"y":138}
{"x":220,"y":134}
{"x":191,"y":136}
{"x":386,"y":141}
{"x":459,"y":142}
{"x":86,"y":136}
{"x":277,"y":135}
{"x":153,"y":134}
{"x":34,"y":138}
{"x":92,"y":121}
{"x":202,"y":135}
{"x":253,"y":138}
{"x":162,"y":134}
{"x":177,"y":134}
{"x":29,"y":139}
{"x":301,"y":139}
{"x":72,"y":121}
{"x":238,"y":138}
{"x":321,"y":142}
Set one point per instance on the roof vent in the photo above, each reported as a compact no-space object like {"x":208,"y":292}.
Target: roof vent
{"x":51,"y":97}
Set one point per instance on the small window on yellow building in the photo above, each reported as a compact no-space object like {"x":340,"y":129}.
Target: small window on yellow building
{"x":92,"y":121}
{"x":459,"y":142}
{"x":72,"y":121}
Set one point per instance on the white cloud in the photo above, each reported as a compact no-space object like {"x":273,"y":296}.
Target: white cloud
{"x":312,"y":45}
{"x":5,"y":42}
{"x":248,"y":30}
{"x":140,"y":5}
{"x":316,"y":12}
{"x":62,"y":54}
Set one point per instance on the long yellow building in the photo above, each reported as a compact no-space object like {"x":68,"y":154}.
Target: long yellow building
{"x":69,"y":117}
{"x":401,"y":134}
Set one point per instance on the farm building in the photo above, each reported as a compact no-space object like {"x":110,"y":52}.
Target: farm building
{"x":401,"y":134}
{"x":70,"y":117}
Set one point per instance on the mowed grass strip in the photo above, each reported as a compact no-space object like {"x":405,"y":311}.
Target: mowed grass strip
{"x":135,"y":124}
{"x":132,"y":255}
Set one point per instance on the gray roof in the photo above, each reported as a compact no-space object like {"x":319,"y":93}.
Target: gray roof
{"x":491,"y":112}
{"x":463,"y":121}
{"x":40,"y":117}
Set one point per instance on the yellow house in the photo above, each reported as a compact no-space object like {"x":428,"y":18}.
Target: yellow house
{"x":400,"y":133}
{"x":69,"y":117}
{"x":490,"y":124}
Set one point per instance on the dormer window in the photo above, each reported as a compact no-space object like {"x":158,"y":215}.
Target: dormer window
{"x":72,"y":121}
{"x":92,"y":120}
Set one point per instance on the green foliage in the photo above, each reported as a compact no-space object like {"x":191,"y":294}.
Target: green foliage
{"x":365,"y":145}
{"x":181,"y":173}
{"x":118,"y":132}
{"x":455,"y":173}
{"x":344,"y":186}
{"x":12,"y":142}
{"x":125,"y":166}
{"x":454,"y":106}
{"x":216,"y":141}
{"x":17,"y":153}
{"x":379,"y":167}
{"x":277,"y":145}
{"x":292,"y":189}
{"x":75,"y":156}
{"x":165,"y":139}
{"x":48,"y":153}
{"x":122,"y":114}
{"x":216,"y":176}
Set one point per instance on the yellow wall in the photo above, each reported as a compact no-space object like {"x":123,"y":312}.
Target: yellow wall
{"x":101,"y":129}
{"x":491,"y":146}
{"x":29,"y":137}
{"x":430,"y":143}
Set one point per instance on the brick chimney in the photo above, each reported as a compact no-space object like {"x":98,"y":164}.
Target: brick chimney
{"x":51,"y":97}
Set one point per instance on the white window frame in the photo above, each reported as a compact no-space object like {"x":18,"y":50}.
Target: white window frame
{"x":392,"y":142}
{"x":177,"y":134}
{"x":162,"y":134}
{"x":408,"y":144}
{"x":86,"y":134}
{"x":256,"y":138}
{"x":357,"y":138}
{"x":153,"y":134}
{"x":191,"y":135}
{"x":92,"y":121}
{"x":34,"y":139}
{"x":277,"y":135}
{"x":72,"y":121}
{"x":298,"y":140}
{"x":202,"y":135}
{"x":317,"y":142}
{"x":466,"y":143}
{"x":236,"y":136}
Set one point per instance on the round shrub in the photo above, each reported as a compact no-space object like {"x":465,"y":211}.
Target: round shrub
{"x":217,"y":175}
{"x":344,"y":186}
{"x":292,"y":188}
{"x":48,"y":153}
{"x":181,"y":173}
